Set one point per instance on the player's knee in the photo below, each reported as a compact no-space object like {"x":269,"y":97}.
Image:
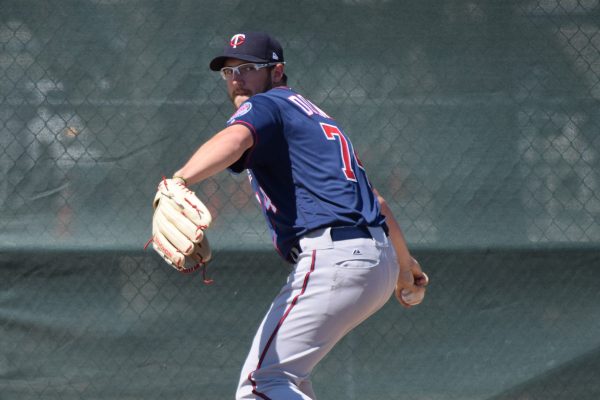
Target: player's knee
{"x":271,"y":389}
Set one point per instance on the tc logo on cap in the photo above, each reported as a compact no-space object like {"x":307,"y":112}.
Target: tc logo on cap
{"x":237,"y":40}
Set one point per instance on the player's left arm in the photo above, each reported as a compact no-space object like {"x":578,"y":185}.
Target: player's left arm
{"x":216,"y":154}
{"x":412,"y":281}
{"x":180,"y":218}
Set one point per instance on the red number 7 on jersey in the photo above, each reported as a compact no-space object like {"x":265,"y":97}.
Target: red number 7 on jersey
{"x":332,"y":132}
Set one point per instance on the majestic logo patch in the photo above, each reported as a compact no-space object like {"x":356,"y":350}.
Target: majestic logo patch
{"x":244,"y":109}
{"x":237,"y":40}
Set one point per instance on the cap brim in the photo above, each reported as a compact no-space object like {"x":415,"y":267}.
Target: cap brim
{"x":218,"y":62}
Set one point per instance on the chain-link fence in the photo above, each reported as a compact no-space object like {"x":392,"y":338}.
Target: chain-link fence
{"x":477,"y":120}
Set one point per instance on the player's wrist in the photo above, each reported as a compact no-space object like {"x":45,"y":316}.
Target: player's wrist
{"x":180,"y":179}
{"x":405,"y":263}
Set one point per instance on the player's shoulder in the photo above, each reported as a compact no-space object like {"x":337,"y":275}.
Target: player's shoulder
{"x":274,"y":99}
{"x":261,"y":104}
{"x":275,"y":94}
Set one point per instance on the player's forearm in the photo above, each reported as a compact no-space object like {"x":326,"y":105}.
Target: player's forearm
{"x":396,"y":235}
{"x":218,"y":153}
{"x":207,"y":161}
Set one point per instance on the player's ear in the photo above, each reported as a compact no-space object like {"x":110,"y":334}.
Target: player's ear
{"x":277,"y":74}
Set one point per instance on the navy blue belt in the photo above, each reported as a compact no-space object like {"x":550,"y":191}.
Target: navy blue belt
{"x":353,"y":232}
{"x":349,"y":232}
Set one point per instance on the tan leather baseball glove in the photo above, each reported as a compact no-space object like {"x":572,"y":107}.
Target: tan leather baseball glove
{"x":178,"y":225}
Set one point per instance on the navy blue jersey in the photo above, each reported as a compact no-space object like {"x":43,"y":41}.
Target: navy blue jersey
{"x":303,"y":169}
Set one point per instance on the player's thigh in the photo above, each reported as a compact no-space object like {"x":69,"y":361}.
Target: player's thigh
{"x":340,"y":288}
{"x":327,"y":294}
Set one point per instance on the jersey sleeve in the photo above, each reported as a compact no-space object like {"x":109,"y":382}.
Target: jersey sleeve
{"x":260,"y":115}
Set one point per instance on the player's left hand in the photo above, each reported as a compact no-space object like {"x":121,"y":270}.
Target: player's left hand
{"x":412,"y":285}
{"x":178,"y":226}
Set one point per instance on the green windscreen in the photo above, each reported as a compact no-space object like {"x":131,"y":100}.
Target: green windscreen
{"x":478,"y":121}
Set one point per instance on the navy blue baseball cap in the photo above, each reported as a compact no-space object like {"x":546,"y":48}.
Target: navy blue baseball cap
{"x":255,"y":47}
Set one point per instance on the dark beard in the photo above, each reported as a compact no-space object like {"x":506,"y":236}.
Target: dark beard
{"x":268,"y":86}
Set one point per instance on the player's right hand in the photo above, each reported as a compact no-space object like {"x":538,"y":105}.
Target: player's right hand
{"x":411,"y":285}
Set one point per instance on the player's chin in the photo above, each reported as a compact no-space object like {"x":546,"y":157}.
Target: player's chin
{"x":239,"y":99}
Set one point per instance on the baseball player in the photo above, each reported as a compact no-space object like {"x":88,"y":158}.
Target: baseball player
{"x":348,"y":251}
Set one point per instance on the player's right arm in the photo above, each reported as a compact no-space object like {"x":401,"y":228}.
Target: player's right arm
{"x":411,"y":278}
{"x":216,"y":154}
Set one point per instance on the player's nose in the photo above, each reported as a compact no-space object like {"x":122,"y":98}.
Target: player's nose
{"x":237,"y":78}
